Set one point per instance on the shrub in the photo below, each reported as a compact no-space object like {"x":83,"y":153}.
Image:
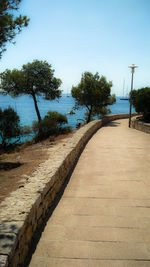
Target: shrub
{"x":50,"y":125}
{"x":59,"y":118}
{"x":9,"y":126}
{"x":65,"y":130}
{"x":141,"y":101}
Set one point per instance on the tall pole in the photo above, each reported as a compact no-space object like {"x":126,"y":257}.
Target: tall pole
{"x":132,"y":73}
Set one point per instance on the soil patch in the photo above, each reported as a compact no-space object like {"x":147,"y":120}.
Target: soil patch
{"x":15,"y":167}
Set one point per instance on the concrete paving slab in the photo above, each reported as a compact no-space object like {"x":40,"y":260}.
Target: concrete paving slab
{"x":118,"y":250}
{"x":55,"y":262}
{"x":136,"y":264}
{"x":104,"y":263}
{"x":63,"y":249}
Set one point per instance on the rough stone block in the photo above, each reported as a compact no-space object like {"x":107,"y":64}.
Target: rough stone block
{"x":7,"y":243}
{"x":3,"y":261}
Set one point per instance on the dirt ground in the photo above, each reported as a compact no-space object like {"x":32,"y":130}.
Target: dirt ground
{"x":15,"y":166}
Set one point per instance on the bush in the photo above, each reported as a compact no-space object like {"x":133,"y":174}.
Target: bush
{"x":66,"y":130}
{"x":46,"y":127}
{"x":141,"y":101}
{"x":9,"y":126}
{"x":50,"y":125}
{"x":60,"y":119}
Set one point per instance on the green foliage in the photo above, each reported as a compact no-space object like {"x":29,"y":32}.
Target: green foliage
{"x":44,"y":129}
{"x":65,"y":130}
{"x":102,"y":111}
{"x":58,"y":118}
{"x":50,"y":125}
{"x":93,"y":92}
{"x":9,"y":24}
{"x":9,"y":126}
{"x":141,"y":101}
{"x":34,"y":79}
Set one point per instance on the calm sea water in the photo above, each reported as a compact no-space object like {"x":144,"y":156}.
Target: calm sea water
{"x":24,"y":106}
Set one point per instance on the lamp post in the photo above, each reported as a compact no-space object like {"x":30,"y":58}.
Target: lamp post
{"x":132,"y":73}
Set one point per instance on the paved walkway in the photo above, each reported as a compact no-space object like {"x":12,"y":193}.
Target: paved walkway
{"x":103,"y":217}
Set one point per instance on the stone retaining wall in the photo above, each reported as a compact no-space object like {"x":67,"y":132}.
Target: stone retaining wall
{"x":141,"y":126}
{"x":23,"y":211}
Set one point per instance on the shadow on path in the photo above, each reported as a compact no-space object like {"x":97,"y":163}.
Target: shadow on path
{"x":112,"y":124}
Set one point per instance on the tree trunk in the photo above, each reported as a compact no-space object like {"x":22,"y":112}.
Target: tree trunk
{"x":89,"y":115}
{"x":36,"y":108}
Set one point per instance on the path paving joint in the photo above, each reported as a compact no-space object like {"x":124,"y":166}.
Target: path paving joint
{"x":103,"y":217}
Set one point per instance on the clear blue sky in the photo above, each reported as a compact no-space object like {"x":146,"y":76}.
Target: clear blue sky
{"x":86,"y":35}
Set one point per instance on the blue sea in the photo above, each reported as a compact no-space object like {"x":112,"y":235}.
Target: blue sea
{"x":24,"y":106}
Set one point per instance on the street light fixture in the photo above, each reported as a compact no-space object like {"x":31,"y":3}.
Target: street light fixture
{"x":132,"y":67}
